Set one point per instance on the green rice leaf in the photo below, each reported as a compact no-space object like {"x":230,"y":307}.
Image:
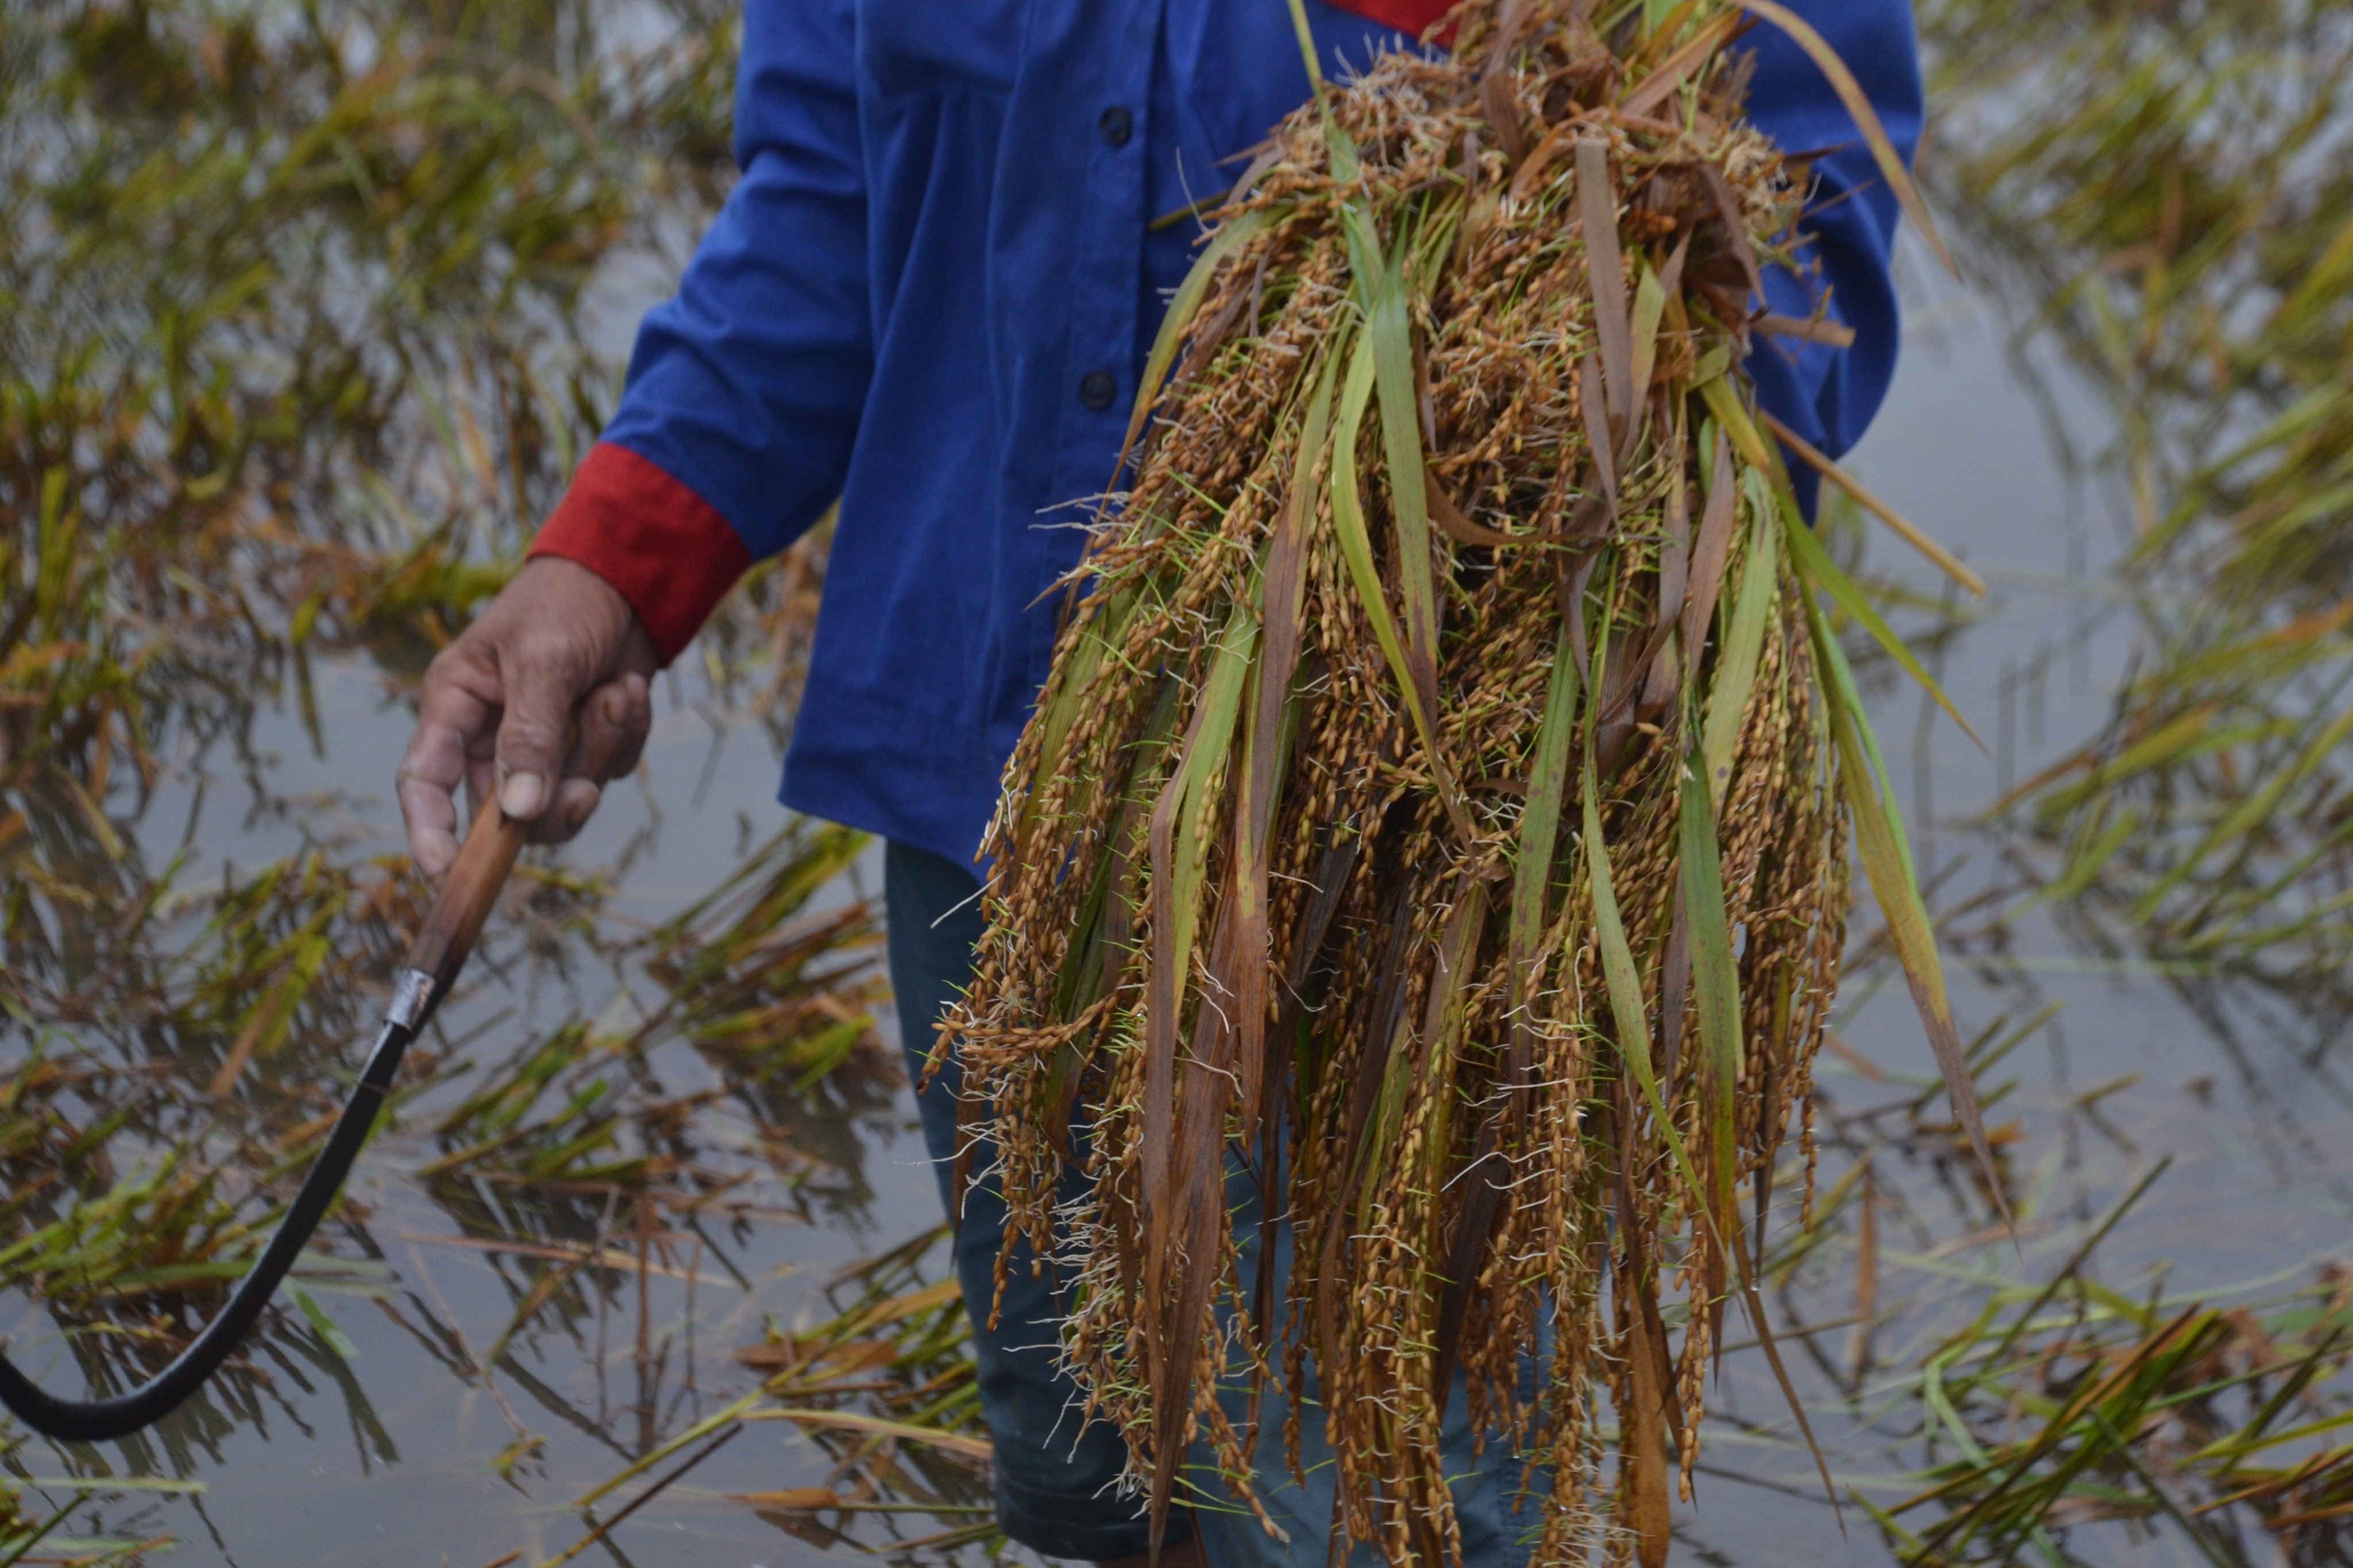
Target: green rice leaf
{"x":1390,"y":333}
{"x":1182,"y":308}
{"x":1388,"y":1112}
{"x":2255,"y":808}
{"x":1176,"y":1207}
{"x":2087,"y":862}
{"x":881,"y":1426}
{"x":1712,"y":550}
{"x":1179,"y":851}
{"x":328,"y":1328}
{"x":1074,"y":680}
{"x":1887,"y":865}
{"x":1752,"y":1303}
{"x":1723,"y":401}
{"x":1816,"y":567}
{"x":1540,"y":822}
{"x":38,"y":1533}
{"x":1832,"y":657}
{"x":1357,"y":547}
{"x":116,"y":1484}
{"x":1625,"y":985}
{"x":1905,"y":529}
{"x":1649,"y":305}
{"x":1078,"y":984}
{"x":1347,"y":166}
{"x":1711,"y":364}
{"x":1356,"y":540}
{"x":1717,"y":982}
{"x":1736,"y":668}
{"x":1449,"y":993}
{"x":1306,"y":36}
{"x":2184,"y":735}
{"x":1221,"y":696}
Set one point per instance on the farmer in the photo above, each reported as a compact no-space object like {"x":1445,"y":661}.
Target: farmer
{"x":930,"y":295}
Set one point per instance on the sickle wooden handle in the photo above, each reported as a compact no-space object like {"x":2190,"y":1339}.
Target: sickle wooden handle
{"x":472,"y":887}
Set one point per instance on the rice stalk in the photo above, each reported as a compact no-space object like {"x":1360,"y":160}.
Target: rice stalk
{"x":1453,"y":511}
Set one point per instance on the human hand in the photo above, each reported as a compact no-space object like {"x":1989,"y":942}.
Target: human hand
{"x":499,"y":700}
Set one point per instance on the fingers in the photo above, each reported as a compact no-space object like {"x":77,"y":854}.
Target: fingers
{"x":543,"y":678}
{"x":638,"y":723}
{"x":575,"y":799}
{"x":614,"y":722}
{"x":453,"y":719}
{"x":498,"y":714}
{"x":431,"y":815}
{"x":612,"y":727}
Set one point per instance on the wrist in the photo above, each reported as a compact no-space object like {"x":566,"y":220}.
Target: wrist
{"x":664,"y":551}
{"x":584,"y":601}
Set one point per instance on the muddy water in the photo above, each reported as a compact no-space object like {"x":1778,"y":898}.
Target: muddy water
{"x":393,"y":1454}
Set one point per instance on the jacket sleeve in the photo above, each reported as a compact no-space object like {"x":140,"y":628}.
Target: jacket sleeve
{"x":743,"y":391}
{"x":1829,"y":394}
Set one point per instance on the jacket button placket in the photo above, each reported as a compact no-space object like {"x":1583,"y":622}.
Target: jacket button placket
{"x":1108,"y":279}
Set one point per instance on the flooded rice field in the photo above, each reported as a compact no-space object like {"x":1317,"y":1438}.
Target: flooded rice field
{"x":311,"y":310}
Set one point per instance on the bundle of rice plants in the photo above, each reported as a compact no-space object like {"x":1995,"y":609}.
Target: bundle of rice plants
{"x":1437,"y":811}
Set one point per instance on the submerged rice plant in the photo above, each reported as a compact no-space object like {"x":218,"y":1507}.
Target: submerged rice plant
{"x":886,"y":1388}
{"x":775,"y":997}
{"x":300,"y":341}
{"x":2164,"y":193}
{"x":1437,"y":814}
{"x":2083,"y":1406}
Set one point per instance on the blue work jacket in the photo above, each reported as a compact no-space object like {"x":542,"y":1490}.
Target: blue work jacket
{"x":930,"y":295}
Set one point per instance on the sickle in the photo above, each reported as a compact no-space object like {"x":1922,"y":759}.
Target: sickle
{"x":423,"y":980}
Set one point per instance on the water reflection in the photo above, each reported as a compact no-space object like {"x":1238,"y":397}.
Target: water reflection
{"x":302,"y":338}
{"x":2162,"y":190}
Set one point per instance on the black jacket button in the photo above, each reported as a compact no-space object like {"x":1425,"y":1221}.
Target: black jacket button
{"x":1116,"y":126}
{"x":1098,"y":389}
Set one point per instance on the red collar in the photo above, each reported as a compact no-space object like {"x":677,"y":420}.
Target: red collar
{"x":1408,"y":16}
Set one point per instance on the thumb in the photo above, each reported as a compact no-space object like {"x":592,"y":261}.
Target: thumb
{"x":532,"y":730}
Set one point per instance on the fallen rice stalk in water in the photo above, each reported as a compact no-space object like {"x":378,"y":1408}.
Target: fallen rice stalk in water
{"x":1453,"y":510}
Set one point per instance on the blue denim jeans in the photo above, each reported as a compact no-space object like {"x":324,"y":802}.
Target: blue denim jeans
{"x":1056,"y":1476}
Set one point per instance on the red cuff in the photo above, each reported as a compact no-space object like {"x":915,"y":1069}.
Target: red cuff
{"x":665,"y":549}
{"x":1408,"y":16}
